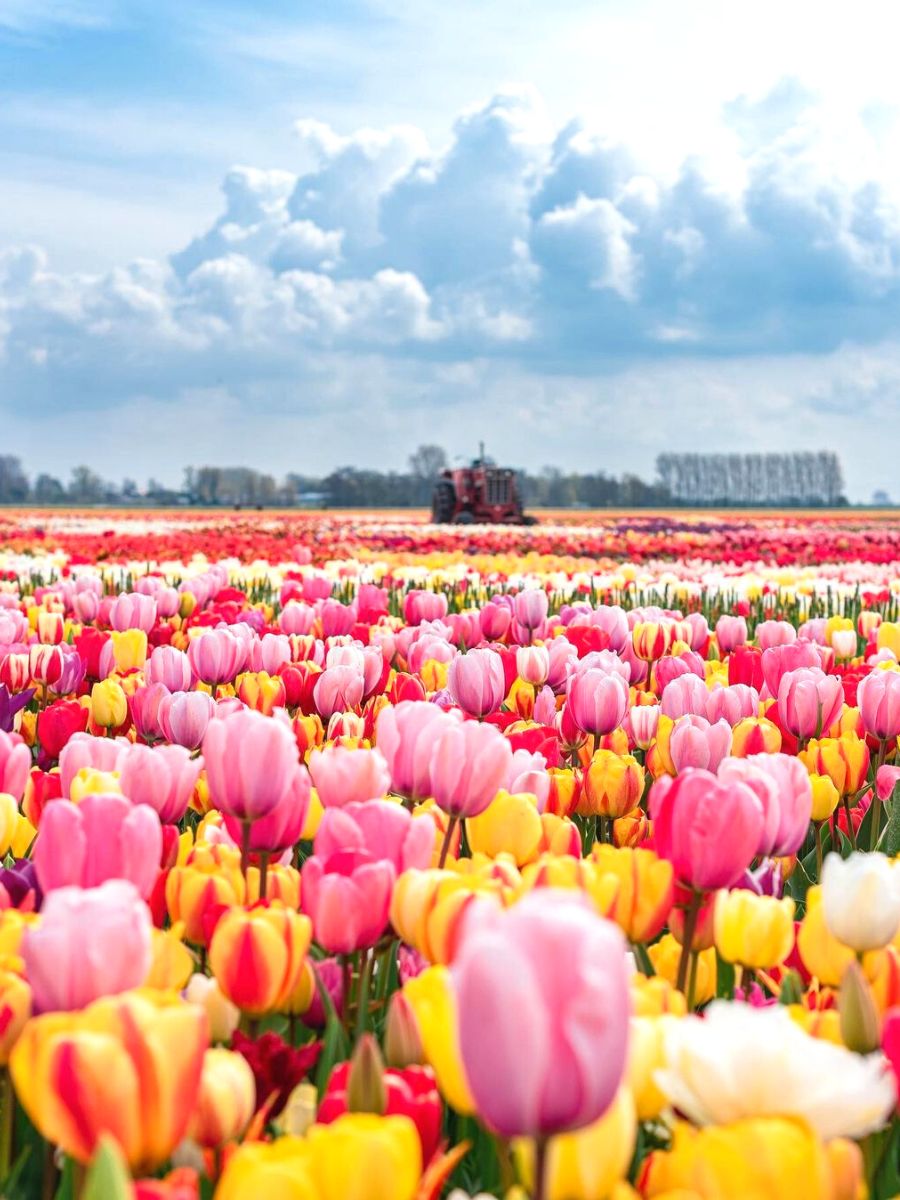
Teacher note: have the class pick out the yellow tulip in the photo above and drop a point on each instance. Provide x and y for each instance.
(364, 1157)
(763, 1158)
(129, 651)
(225, 1101)
(823, 955)
(645, 893)
(511, 823)
(653, 996)
(646, 1056)
(611, 786)
(888, 637)
(665, 956)
(754, 931)
(171, 963)
(433, 1002)
(278, 1170)
(844, 759)
(90, 782)
(825, 795)
(15, 1010)
(109, 707)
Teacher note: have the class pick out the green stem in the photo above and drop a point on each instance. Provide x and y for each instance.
(692, 984)
(263, 875)
(246, 827)
(690, 925)
(817, 826)
(362, 997)
(7, 1122)
(445, 845)
(541, 1180)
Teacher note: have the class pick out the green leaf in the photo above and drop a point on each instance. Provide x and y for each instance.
(108, 1177)
(725, 978)
(889, 842)
(334, 1050)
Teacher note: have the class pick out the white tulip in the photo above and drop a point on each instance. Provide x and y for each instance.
(861, 900)
(738, 1061)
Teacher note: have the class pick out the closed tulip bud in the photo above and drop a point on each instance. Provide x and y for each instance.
(402, 1041)
(843, 642)
(653, 996)
(226, 1099)
(611, 786)
(861, 900)
(597, 701)
(878, 697)
(755, 931)
(645, 893)
(344, 776)
(642, 721)
(887, 637)
(261, 692)
(257, 956)
(731, 632)
(223, 1016)
(755, 735)
(825, 795)
(631, 829)
(860, 1024)
(127, 1067)
(365, 1080)
(586, 1164)
(844, 759)
(809, 701)
(45, 663)
(171, 963)
(109, 705)
(565, 787)
(477, 682)
(251, 762)
(698, 743)
(531, 607)
(88, 781)
(129, 650)
(50, 628)
(545, 943)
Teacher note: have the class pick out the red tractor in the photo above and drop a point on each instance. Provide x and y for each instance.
(482, 494)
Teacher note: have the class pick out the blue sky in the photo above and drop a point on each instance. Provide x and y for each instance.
(301, 235)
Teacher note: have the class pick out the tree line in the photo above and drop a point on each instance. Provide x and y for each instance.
(682, 479)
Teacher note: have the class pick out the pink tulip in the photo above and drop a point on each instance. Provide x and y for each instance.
(185, 716)
(383, 828)
(217, 656)
(731, 632)
(528, 773)
(337, 618)
(775, 633)
(144, 705)
(86, 606)
(337, 690)
(347, 896)
(470, 763)
(297, 619)
(606, 661)
(732, 704)
(419, 606)
(641, 723)
(103, 837)
(250, 764)
(406, 735)
(556, 971)
(330, 975)
(270, 654)
(809, 701)
(597, 702)
(171, 667)
(531, 607)
(612, 620)
(708, 829)
(533, 664)
(83, 750)
(778, 660)
(344, 776)
(15, 764)
(477, 682)
(131, 610)
(281, 829)
(699, 628)
(686, 695)
(886, 779)
(544, 706)
(781, 784)
(163, 778)
(563, 657)
(878, 699)
(696, 742)
(89, 943)
(670, 667)
(495, 620)
(813, 630)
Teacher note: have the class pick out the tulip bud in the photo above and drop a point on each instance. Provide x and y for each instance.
(825, 796)
(222, 1015)
(860, 1026)
(225, 1101)
(365, 1083)
(402, 1042)
(109, 707)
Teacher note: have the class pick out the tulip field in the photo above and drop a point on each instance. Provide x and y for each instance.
(348, 857)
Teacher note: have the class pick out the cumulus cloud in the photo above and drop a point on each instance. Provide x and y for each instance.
(536, 251)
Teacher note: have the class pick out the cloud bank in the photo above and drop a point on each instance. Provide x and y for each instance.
(533, 280)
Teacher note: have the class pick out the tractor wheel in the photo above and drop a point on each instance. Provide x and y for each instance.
(465, 518)
(527, 520)
(443, 501)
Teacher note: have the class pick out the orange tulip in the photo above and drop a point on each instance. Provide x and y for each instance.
(257, 956)
(210, 878)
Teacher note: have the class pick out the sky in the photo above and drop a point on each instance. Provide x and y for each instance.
(296, 236)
